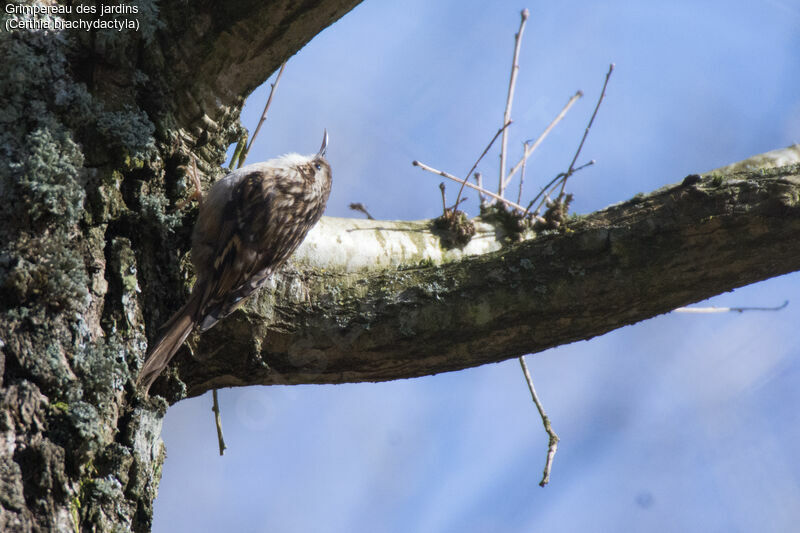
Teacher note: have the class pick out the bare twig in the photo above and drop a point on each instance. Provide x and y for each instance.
(728, 309)
(479, 181)
(361, 208)
(455, 206)
(263, 116)
(218, 421)
(522, 175)
(571, 170)
(552, 445)
(240, 146)
(423, 166)
(563, 176)
(477, 161)
(510, 99)
(444, 201)
(198, 188)
(544, 193)
(575, 97)
(587, 164)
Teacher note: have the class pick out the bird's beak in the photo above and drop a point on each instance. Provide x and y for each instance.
(324, 147)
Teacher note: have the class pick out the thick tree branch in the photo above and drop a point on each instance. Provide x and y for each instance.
(219, 52)
(376, 300)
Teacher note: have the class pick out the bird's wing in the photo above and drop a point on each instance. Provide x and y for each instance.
(239, 257)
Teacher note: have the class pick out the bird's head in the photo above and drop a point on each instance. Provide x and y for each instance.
(320, 165)
(314, 169)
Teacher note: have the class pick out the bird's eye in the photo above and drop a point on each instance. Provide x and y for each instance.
(317, 166)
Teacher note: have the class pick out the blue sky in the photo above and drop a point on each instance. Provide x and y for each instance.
(681, 422)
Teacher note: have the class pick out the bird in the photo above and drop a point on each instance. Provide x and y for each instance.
(250, 223)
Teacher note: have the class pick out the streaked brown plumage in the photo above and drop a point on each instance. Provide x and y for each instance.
(249, 224)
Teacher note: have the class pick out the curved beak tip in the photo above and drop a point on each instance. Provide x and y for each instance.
(324, 148)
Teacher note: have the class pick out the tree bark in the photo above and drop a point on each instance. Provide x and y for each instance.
(376, 300)
(96, 130)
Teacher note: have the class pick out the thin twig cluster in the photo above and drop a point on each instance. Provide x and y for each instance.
(553, 197)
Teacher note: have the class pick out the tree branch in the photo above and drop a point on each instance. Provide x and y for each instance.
(219, 52)
(377, 300)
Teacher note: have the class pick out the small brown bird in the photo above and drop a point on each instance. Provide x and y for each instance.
(248, 226)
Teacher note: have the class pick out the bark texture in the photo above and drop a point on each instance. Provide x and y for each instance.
(96, 128)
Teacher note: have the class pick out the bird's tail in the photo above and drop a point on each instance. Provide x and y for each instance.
(175, 332)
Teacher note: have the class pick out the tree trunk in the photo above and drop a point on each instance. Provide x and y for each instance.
(96, 130)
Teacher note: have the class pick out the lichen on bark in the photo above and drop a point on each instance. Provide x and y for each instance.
(69, 460)
(96, 131)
